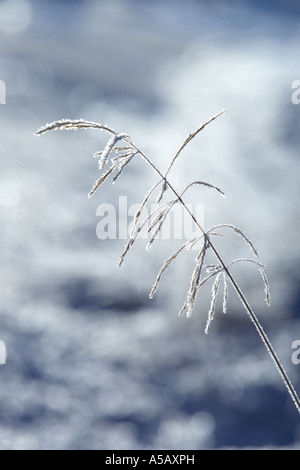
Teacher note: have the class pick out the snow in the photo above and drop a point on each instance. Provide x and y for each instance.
(92, 362)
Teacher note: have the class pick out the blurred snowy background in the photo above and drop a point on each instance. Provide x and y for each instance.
(92, 363)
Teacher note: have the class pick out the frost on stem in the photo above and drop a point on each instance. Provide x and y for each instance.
(120, 157)
(108, 148)
(168, 262)
(124, 155)
(212, 307)
(195, 283)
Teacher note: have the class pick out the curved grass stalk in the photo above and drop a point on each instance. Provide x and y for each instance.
(221, 269)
